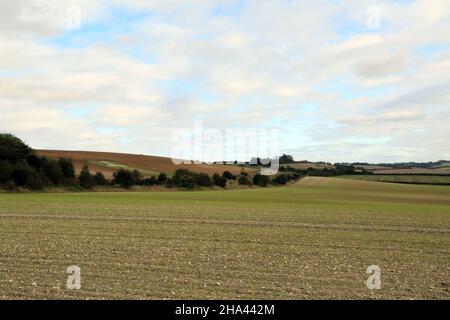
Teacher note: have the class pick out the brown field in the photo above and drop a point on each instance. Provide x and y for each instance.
(311, 240)
(148, 165)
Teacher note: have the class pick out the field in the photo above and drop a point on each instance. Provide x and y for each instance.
(108, 162)
(402, 178)
(312, 240)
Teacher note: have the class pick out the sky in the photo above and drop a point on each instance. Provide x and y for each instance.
(339, 81)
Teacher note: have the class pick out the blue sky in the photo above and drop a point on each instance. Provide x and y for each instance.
(336, 87)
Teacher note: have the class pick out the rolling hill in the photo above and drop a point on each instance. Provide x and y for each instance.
(108, 162)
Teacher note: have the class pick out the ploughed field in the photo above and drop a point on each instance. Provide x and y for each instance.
(312, 240)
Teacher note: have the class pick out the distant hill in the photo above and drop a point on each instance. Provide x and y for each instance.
(108, 162)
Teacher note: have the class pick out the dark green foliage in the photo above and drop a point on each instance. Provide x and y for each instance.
(162, 178)
(67, 168)
(34, 161)
(100, 179)
(280, 179)
(203, 180)
(228, 175)
(35, 182)
(260, 180)
(12, 149)
(52, 170)
(285, 159)
(219, 181)
(150, 181)
(137, 177)
(244, 180)
(20, 173)
(124, 178)
(6, 169)
(86, 179)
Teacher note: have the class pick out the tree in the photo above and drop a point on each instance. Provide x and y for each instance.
(13, 149)
(124, 178)
(35, 182)
(280, 179)
(100, 180)
(137, 177)
(260, 180)
(20, 173)
(228, 175)
(219, 181)
(162, 178)
(67, 168)
(244, 181)
(6, 169)
(285, 159)
(150, 181)
(52, 171)
(86, 179)
(203, 180)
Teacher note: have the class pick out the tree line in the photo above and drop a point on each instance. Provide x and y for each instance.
(20, 166)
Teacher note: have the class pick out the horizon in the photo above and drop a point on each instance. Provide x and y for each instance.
(351, 82)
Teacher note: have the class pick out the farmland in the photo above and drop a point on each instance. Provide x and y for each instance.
(108, 162)
(312, 240)
(403, 178)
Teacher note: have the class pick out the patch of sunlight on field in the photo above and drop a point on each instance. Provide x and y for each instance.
(312, 240)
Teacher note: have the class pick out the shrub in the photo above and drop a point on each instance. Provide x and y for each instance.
(100, 179)
(260, 180)
(124, 178)
(162, 178)
(203, 180)
(244, 181)
(67, 168)
(5, 171)
(20, 173)
(52, 171)
(86, 179)
(150, 181)
(280, 179)
(13, 149)
(219, 181)
(228, 175)
(34, 182)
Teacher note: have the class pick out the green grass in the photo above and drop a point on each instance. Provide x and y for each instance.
(311, 240)
(403, 178)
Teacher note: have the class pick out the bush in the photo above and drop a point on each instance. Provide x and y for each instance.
(244, 181)
(260, 180)
(124, 178)
(228, 175)
(5, 171)
(35, 182)
(20, 173)
(219, 181)
(52, 171)
(100, 179)
(13, 149)
(280, 179)
(203, 180)
(162, 178)
(67, 168)
(86, 179)
(137, 177)
(150, 181)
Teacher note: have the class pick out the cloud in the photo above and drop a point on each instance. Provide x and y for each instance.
(142, 69)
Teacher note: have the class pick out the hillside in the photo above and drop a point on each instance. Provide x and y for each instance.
(108, 162)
